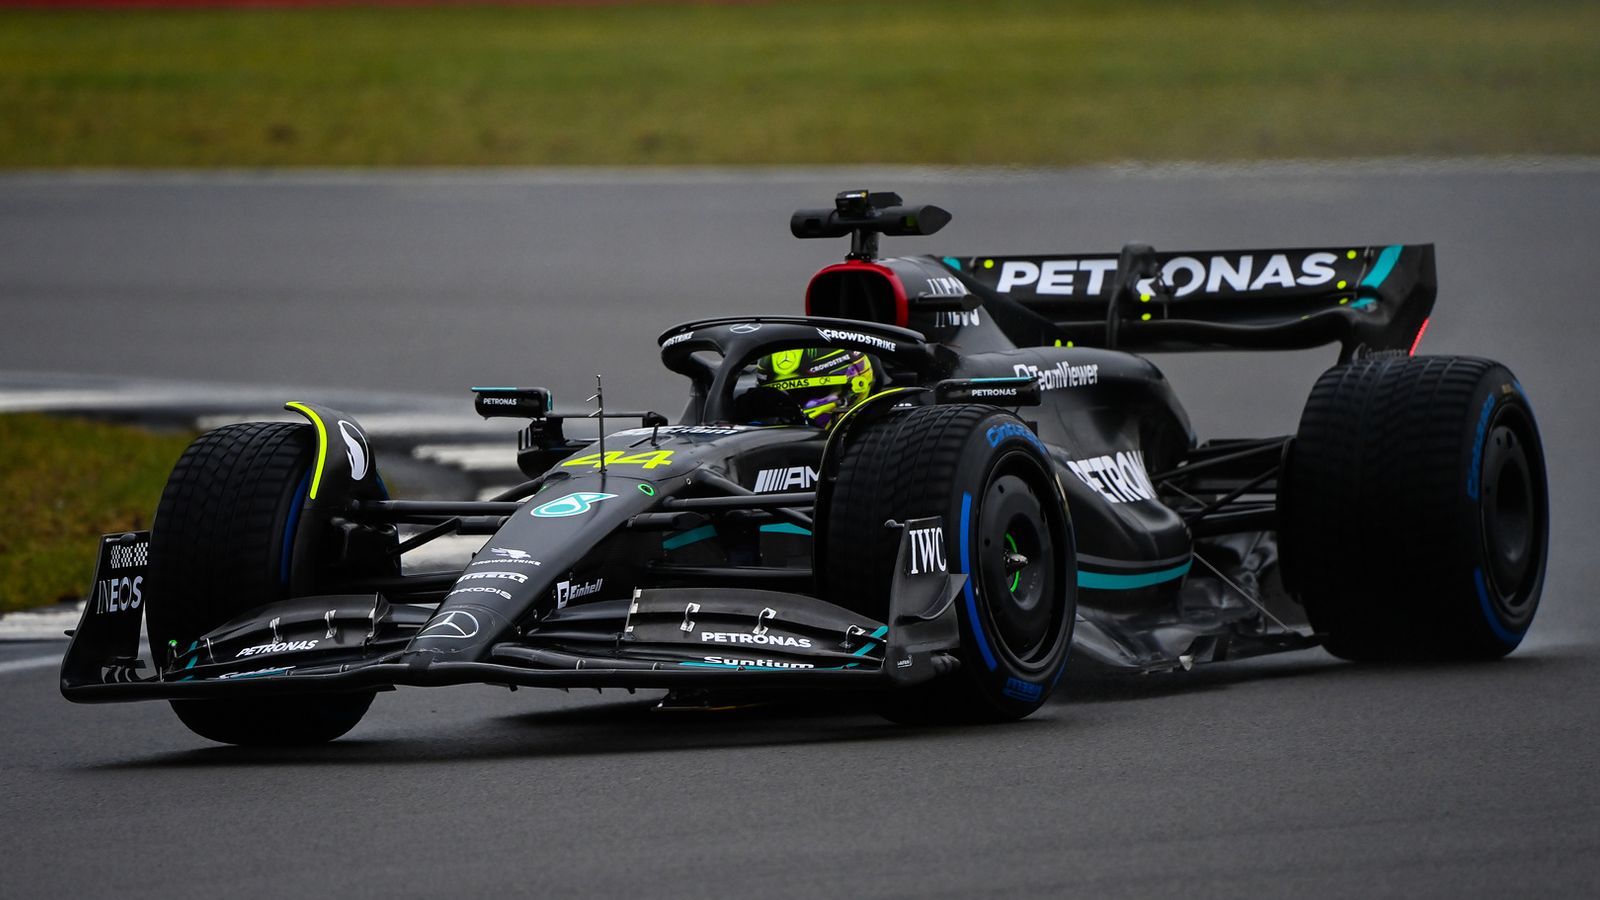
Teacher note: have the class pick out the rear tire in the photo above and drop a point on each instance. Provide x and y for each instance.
(987, 476)
(1415, 510)
(222, 544)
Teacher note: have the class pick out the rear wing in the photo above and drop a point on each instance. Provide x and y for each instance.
(1377, 298)
(1361, 298)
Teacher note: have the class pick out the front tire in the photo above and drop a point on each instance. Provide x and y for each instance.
(988, 477)
(291, 721)
(223, 543)
(1415, 510)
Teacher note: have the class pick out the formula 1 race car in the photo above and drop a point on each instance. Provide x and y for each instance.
(946, 475)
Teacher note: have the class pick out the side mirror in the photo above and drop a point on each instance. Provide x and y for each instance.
(512, 402)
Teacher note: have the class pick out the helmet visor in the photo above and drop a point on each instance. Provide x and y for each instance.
(819, 397)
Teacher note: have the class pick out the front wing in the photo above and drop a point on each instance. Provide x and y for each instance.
(673, 638)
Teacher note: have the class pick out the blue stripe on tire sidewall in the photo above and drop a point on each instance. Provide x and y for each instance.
(1492, 620)
(1475, 468)
(970, 568)
(289, 526)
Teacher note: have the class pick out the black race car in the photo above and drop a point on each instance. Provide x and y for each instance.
(1014, 483)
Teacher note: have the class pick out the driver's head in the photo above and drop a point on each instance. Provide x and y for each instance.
(823, 382)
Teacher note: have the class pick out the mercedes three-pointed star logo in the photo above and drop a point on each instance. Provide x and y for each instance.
(452, 626)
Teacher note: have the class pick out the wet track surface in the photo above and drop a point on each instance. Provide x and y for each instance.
(1289, 775)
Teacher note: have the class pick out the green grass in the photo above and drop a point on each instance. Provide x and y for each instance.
(866, 81)
(63, 483)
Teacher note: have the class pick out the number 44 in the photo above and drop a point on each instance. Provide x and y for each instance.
(649, 459)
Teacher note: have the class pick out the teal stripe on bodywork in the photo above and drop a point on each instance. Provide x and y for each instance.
(867, 647)
(1383, 267)
(692, 536)
(1106, 581)
(712, 665)
(706, 532)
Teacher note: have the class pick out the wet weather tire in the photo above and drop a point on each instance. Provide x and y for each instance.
(984, 473)
(274, 721)
(1415, 516)
(222, 544)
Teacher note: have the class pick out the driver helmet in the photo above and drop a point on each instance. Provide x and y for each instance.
(823, 382)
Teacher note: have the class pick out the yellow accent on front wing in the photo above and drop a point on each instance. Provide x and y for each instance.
(322, 443)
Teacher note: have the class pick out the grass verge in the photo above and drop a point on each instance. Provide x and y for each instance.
(63, 483)
(1024, 82)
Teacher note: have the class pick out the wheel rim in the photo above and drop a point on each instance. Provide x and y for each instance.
(1015, 568)
(1511, 509)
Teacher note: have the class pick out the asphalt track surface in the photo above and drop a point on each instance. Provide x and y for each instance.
(1295, 775)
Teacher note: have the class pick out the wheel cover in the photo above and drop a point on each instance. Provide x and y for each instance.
(1016, 568)
(1512, 512)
